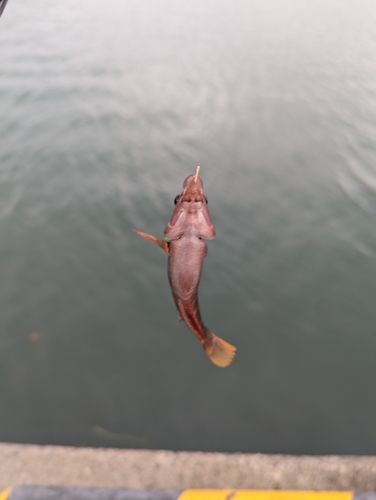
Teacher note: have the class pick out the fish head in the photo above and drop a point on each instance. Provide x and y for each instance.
(191, 212)
(193, 194)
(193, 183)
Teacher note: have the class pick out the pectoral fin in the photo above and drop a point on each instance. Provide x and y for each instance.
(158, 241)
(206, 228)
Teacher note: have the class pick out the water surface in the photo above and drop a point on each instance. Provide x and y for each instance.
(105, 108)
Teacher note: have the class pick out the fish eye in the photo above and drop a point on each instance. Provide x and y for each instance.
(177, 197)
(206, 199)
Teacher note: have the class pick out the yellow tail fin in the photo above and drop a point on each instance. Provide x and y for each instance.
(220, 352)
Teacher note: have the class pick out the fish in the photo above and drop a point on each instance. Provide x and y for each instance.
(184, 244)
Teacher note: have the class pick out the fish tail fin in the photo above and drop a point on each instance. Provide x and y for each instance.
(220, 352)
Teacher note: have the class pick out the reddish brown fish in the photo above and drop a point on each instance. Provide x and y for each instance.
(184, 244)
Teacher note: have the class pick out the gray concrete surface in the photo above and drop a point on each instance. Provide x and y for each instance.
(74, 493)
(67, 466)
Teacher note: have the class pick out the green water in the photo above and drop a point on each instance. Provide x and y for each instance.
(105, 108)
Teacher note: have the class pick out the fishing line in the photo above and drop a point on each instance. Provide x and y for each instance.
(204, 125)
(205, 113)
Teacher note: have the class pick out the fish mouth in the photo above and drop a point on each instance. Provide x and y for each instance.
(192, 191)
(193, 186)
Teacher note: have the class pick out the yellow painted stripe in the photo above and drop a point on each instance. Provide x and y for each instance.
(264, 495)
(5, 494)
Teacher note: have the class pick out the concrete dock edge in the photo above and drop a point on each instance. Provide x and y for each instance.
(74, 493)
(168, 470)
